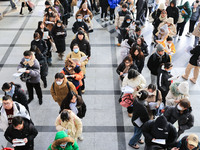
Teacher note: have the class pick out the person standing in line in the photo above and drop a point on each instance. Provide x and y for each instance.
(104, 8)
(113, 4)
(33, 71)
(25, 3)
(173, 11)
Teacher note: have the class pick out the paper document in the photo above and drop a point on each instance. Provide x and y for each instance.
(21, 70)
(118, 31)
(46, 34)
(138, 122)
(86, 16)
(127, 89)
(176, 125)
(159, 141)
(152, 105)
(83, 59)
(173, 78)
(49, 22)
(17, 74)
(18, 142)
(68, 76)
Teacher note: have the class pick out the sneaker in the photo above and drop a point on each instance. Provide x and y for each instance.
(111, 22)
(136, 146)
(14, 7)
(175, 36)
(192, 80)
(106, 19)
(102, 19)
(141, 141)
(184, 77)
(118, 44)
(130, 115)
(179, 37)
(30, 12)
(21, 14)
(45, 85)
(82, 91)
(80, 138)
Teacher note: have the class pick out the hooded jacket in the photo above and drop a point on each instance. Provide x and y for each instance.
(125, 49)
(183, 144)
(185, 120)
(77, 24)
(41, 44)
(83, 45)
(62, 137)
(29, 132)
(151, 130)
(34, 66)
(113, 3)
(154, 62)
(188, 10)
(74, 125)
(124, 23)
(195, 12)
(120, 17)
(173, 11)
(59, 92)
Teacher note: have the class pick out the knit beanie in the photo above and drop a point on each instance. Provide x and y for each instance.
(159, 48)
(184, 88)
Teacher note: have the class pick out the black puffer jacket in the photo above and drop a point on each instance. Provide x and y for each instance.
(195, 55)
(29, 132)
(81, 24)
(139, 111)
(19, 95)
(150, 130)
(154, 63)
(43, 64)
(41, 44)
(144, 48)
(83, 44)
(139, 63)
(185, 120)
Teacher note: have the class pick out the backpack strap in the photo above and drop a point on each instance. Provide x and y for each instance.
(156, 95)
(18, 108)
(68, 86)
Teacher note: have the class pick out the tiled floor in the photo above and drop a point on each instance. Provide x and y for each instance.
(106, 125)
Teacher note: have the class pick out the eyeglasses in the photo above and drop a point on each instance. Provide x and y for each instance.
(6, 104)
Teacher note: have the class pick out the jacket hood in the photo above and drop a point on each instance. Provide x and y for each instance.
(127, 17)
(174, 2)
(61, 137)
(80, 32)
(187, 5)
(170, 20)
(164, 28)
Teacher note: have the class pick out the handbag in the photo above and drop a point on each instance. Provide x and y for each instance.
(25, 77)
(53, 47)
(74, 3)
(127, 100)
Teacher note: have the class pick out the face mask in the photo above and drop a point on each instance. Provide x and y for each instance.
(63, 145)
(84, 9)
(50, 12)
(11, 92)
(27, 59)
(76, 50)
(37, 40)
(79, 20)
(150, 93)
(59, 82)
(58, 25)
(69, 68)
(169, 71)
(128, 21)
(160, 129)
(179, 107)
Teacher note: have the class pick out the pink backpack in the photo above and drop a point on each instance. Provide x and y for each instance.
(127, 100)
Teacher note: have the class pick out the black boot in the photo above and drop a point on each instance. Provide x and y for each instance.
(40, 101)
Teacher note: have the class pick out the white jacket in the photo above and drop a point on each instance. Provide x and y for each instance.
(125, 49)
(138, 82)
(170, 98)
(17, 112)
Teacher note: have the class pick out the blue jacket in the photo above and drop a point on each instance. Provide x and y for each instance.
(113, 3)
(195, 15)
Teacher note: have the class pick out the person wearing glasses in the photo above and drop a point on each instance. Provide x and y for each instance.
(10, 109)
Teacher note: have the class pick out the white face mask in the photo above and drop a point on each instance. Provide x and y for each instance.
(179, 107)
(84, 9)
(69, 68)
(150, 93)
(37, 40)
(160, 129)
(59, 82)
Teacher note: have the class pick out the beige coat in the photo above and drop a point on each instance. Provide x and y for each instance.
(196, 31)
(74, 125)
(59, 92)
(170, 98)
(78, 56)
(172, 29)
(152, 98)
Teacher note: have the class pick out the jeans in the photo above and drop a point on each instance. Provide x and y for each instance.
(37, 88)
(13, 4)
(196, 41)
(136, 137)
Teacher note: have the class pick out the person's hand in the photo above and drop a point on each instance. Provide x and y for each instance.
(176, 101)
(127, 29)
(13, 141)
(88, 58)
(121, 73)
(27, 71)
(48, 37)
(116, 28)
(153, 139)
(25, 140)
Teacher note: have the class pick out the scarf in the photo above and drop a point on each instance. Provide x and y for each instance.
(162, 19)
(30, 62)
(160, 56)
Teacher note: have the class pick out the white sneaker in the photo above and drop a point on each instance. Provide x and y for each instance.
(106, 19)
(102, 19)
(80, 138)
(179, 37)
(111, 22)
(188, 34)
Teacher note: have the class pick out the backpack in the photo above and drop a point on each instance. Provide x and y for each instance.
(127, 100)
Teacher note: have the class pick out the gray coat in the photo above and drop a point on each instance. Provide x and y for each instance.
(185, 120)
(34, 70)
(195, 15)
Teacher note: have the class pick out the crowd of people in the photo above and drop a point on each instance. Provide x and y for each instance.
(160, 111)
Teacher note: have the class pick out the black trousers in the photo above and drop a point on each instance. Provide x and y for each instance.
(192, 24)
(44, 79)
(93, 5)
(23, 5)
(37, 88)
(104, 11)
(180, 28)
(112, 15)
